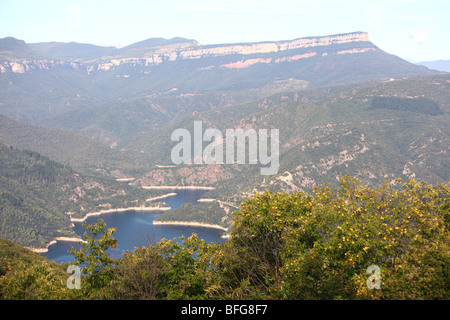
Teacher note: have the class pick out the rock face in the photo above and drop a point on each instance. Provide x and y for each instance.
(55, 78)
(269, 47)
(27, 66)
(194, 51)
(189, 50)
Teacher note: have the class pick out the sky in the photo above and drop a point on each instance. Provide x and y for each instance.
(415, 30)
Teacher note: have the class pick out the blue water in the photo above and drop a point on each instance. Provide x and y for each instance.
(135, 228)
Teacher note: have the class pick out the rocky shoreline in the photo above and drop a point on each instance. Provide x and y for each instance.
(193, 224)
(119, 210)
(68, 239)
(179, 187)
(75, 239)
(158, 208)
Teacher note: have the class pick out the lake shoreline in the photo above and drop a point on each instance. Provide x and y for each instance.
(78, 220)
(190, 224)
(55, 240)
(98, 213)
(164, 196)
(139, 209)
(178, 187)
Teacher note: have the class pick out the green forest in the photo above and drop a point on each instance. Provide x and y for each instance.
(319, 246)
(37, 194)
(420, 104)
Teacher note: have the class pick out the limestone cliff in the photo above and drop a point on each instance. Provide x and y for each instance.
(28, 65)
(268, 47)
(192, 50)
(195, 51)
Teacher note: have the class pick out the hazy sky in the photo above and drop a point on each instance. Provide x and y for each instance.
(414, 30)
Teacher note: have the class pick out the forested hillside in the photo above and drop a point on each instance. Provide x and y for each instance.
(38, 197)
(71, 149)
(375, 132)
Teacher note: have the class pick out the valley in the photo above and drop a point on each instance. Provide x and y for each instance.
(242, 157)
(108, 112)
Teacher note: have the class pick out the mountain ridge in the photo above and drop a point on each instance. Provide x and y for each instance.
(51, 87)
(70, 50)
(440, 65)
(133, 100)
(154, 51)
(155, 43)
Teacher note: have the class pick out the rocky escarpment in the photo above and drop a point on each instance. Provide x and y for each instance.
(270, 47)
(192, 50)
(30, 65)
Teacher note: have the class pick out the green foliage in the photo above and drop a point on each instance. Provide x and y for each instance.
(321, 248)
(422, 105)
(300, 246)
(138, 275)
(74, 150)
(93, 253)
(186, 269)
(167, 270)
(29, 276)
(25, 177)
(36, 282)
(282, 246)
(210, 213)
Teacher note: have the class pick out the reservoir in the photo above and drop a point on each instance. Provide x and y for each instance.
(135, 228)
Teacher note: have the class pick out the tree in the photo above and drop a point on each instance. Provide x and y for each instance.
(166, 270)
(39, 281)
(93, 254)
(297, 246)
